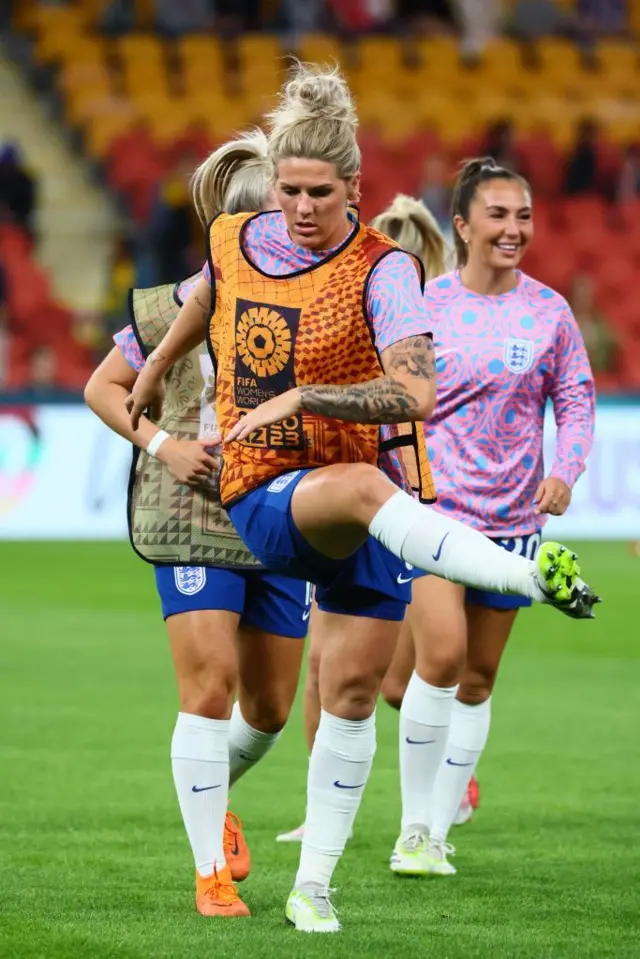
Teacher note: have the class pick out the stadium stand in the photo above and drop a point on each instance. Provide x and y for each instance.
(140, 101)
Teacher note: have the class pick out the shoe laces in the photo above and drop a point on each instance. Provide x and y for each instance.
(440, 849)
(221, 889)
(232, 826)
(320, 900)
(413, 841)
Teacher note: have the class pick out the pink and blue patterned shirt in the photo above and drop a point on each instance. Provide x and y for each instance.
(499, 358)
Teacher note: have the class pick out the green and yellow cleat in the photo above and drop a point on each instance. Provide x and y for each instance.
(309, 909)
(559, 578)
(415, 854)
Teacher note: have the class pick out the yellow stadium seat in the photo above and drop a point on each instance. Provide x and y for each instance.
(227, 115)
(558, 116)
(82, 103)
(102, 130)
(558, 56)
(488, 108)
(260, 50)
(320, 48)
(449, 116)
(139, 48)
(79, 74)
(168, 127)
(461, 84)
(198, 48)
(259, 101)
(440, 55)
(618, 56)
(202, 75)
(140, 78)
(619, 68)
(58, 16)
(87, 49)
(621, 130)
(55, 45)
(201, 62)
(382, 55)
(154, 103)
(501, 68)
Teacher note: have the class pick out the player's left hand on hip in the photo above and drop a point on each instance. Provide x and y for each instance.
(273, 411)
(552, 496)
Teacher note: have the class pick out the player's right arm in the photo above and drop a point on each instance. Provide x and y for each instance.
(186, 332)
(106, 394)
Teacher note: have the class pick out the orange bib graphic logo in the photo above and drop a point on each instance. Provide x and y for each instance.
(265, 342)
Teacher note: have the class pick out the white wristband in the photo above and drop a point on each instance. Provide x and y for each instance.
(156, 442)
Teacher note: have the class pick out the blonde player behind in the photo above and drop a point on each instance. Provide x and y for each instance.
(233, 626)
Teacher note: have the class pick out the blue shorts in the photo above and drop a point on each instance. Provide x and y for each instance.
(267, 601)
(526, 546)
(371, 582)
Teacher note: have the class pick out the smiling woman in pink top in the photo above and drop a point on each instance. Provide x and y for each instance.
(505, 345)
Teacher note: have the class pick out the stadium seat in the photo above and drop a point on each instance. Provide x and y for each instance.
(201, 64)
(319, 48)
(50, 18)
(102, 129)
(619, 67)
(58, 46)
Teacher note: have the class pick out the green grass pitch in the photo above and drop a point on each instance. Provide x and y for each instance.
(93, 860)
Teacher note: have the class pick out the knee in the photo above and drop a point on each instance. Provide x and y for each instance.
(392, 691)
(368, 490)
(444, 664)
(267, 714)
(353, 696)
(207, 692)
(476, 687)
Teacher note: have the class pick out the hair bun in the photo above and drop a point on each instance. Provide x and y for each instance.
(473, 167)
(315, 119)
(314, 93)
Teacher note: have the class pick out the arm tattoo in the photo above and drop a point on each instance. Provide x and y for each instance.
(387, 399)
(414, 356)
(383, 400)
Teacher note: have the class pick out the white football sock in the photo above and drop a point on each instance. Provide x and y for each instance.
(434, 542)
(246, 745)
(468, 736)
(339, 767)
(200, 763)
(425, 716)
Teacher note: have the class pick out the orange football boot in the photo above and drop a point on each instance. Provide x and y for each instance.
(217, 896)
(236, 851)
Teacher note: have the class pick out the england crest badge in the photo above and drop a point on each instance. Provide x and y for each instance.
(189, 579)
(518, 355)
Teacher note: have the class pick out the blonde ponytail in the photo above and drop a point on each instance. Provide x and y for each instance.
(414, 228)
(233, 179)
(315, 119)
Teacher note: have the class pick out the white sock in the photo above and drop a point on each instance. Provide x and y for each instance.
(200, 763)
(468, 736)
(425, 716)
(339, 767)
(246, 745)
(434, 542)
